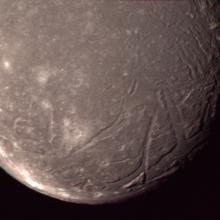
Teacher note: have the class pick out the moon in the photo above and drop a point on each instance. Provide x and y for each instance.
(102, 100)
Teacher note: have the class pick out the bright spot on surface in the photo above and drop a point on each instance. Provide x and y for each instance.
(29, 179)
(3, 153)
(62, 192)
(43, 76)
(46, 104)
(98, 194)
(6, 64)
(66, 122)
(74, 132)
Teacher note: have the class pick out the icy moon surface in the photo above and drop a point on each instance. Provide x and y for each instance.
(100, 100)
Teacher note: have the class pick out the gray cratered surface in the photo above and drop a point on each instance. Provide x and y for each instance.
(100, 100)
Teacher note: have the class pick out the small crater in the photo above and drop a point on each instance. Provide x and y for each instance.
(46, 105)
(42, 74)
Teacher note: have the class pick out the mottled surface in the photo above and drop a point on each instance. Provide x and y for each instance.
(99, 99)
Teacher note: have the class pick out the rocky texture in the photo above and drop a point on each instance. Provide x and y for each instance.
(100, 100)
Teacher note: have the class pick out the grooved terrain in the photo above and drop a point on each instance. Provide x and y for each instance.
(100, 100)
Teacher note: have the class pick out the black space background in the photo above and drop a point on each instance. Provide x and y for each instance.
(194, 193)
